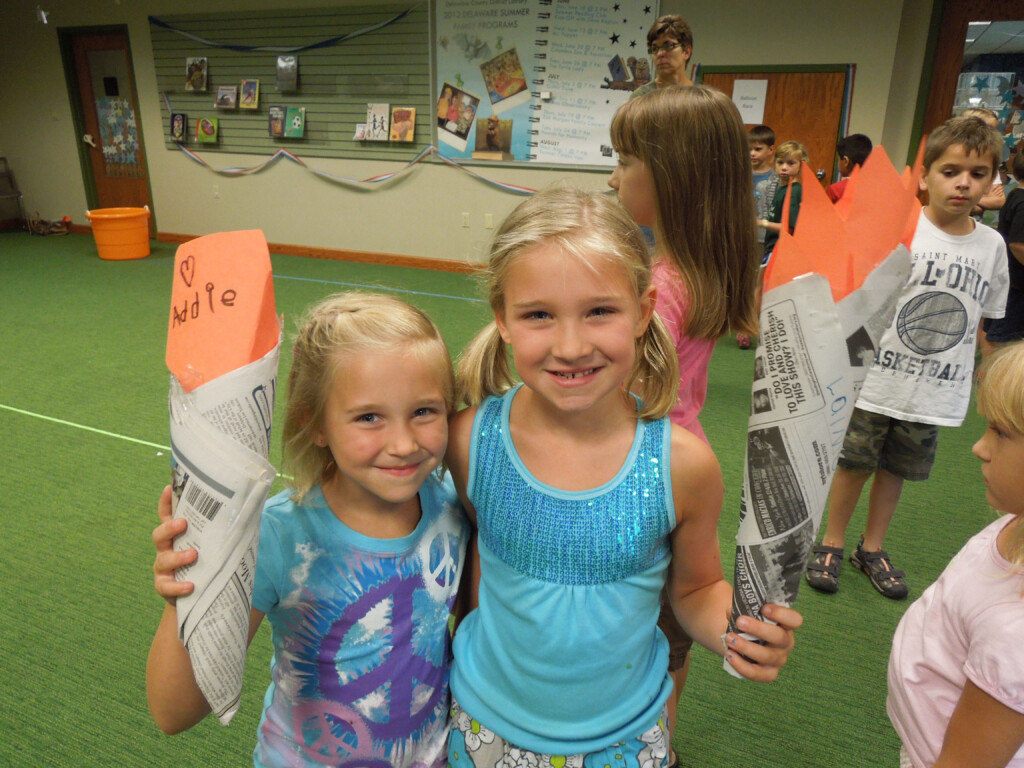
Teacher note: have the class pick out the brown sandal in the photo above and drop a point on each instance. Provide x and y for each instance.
(823, 569)
(878, 567)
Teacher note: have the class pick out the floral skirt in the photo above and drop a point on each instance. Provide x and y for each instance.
(471, 745)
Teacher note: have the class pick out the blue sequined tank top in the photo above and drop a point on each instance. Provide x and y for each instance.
(563, 654)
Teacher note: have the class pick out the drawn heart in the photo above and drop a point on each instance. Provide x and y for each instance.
(188, 270)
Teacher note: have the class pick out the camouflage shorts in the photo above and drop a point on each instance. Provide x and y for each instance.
(904, 448)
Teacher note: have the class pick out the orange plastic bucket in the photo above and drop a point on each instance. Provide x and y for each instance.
(120, 233)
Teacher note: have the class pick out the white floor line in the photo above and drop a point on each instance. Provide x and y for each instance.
(103, 432)
(65, 423)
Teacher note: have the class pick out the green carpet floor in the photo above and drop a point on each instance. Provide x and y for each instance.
(83, 430)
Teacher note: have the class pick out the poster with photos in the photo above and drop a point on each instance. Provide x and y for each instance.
(195, 73)
(378, 118)
(557, 70)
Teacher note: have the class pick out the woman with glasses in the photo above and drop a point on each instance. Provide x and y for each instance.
(670, 45)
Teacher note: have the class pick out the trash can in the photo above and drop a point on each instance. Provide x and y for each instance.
(120, 233)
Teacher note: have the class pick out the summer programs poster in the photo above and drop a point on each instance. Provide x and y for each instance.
(558, 69)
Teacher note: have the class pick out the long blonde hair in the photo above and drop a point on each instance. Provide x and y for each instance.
(692, 139)
(341, 325)
(596, 229)
(1001, 401)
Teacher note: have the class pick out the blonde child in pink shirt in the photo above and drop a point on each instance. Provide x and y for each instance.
(956, 672)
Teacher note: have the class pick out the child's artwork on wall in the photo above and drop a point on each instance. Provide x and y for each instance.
(227, 97)
(287, 73)
(377, 120)
(295, 123)
(403, 123)
(206, 130)
(178, 122)
(250, 98)
(275, 120)
(456, 110)
(195, 73)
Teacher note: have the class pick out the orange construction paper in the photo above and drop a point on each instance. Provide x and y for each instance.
(222, 306)
(844, 242)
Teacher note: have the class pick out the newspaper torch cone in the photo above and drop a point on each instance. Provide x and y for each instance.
(223, 341)
(829, 292)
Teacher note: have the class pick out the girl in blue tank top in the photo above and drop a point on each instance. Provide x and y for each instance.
(586, 499)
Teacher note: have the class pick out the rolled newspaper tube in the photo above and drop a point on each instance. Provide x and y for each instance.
(223, 342)
(830, 291)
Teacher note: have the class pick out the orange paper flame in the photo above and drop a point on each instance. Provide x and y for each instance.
(845, 241)
(222, 306)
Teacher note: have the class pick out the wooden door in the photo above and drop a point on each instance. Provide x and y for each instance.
(108, 112)
(800, 106)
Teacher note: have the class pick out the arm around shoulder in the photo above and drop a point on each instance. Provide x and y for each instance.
(456, 458)
(460, 433)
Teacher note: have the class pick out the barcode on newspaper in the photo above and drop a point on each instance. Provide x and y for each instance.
(202, 502)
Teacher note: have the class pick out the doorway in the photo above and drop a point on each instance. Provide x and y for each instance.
(801, 104)
(944, 69)
(98, 67)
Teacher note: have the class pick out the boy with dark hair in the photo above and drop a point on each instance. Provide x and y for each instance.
(852, 151)
(766, 183)
(923, 368)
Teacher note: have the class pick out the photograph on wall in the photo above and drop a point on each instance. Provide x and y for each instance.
(493, 139)
(195, 73)
(275, 120)
(378, 116)
(403, 123)
(206, 130)
(295, 123)
(178, 131)
(456, 111)
(227, 97)
(250, 98)
(505, 81)
(287, 73)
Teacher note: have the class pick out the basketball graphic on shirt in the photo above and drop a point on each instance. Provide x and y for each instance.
(932, 322)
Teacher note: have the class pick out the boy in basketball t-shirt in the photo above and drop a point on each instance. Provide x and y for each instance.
(922, 371)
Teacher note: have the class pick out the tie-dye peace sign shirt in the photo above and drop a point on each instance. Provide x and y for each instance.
(359, 674)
